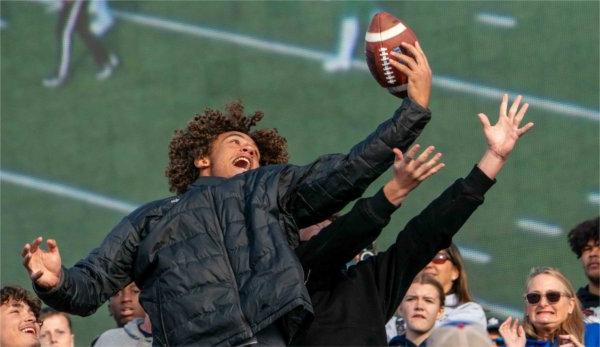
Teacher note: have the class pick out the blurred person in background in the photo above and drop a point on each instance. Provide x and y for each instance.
(553, 315)
(19, 318)
(103, 18)
(57, 329)
(421, 306)
(459, 334)
(583, 240)
(136, 333)
(125, 305)
(493, 326)
(352, 305)
(73, 16)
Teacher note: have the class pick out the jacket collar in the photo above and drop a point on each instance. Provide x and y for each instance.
(207, 181)
(451, 300)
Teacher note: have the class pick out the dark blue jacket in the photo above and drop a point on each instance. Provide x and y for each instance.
(215, 264)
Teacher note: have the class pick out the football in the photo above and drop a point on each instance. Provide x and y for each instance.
(384, 35)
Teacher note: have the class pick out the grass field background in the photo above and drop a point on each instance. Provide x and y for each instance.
(111, 137)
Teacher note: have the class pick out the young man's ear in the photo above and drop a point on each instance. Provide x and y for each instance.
(202, 163)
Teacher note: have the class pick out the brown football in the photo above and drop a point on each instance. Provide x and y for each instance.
(384, 35)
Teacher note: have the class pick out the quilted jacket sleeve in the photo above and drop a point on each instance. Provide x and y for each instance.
(314, 192)
(93, 280)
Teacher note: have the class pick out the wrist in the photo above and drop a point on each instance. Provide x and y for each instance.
(491, 163)
(394, 193)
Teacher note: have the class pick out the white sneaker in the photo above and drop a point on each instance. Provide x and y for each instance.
(107, 70)
(100, 26)
(53, 82)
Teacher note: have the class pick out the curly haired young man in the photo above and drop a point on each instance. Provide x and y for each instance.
(19, 317)
(215, 263)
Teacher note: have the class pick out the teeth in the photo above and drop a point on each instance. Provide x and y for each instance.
(243, 159)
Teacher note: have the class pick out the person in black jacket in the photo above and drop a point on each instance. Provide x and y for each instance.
(352, 305)
(215, 264)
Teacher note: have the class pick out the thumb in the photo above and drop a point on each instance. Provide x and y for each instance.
(398, 153)
(485, 122)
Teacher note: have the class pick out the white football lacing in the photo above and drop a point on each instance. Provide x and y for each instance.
(388, 71)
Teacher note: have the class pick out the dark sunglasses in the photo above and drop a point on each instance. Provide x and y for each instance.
(552, 297)
(440, 258)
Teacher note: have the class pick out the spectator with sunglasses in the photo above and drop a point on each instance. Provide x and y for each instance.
(553, 315)
(448, 267)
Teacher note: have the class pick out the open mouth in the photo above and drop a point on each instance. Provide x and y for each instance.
(29, 330)
(242, 163)
(418, 316)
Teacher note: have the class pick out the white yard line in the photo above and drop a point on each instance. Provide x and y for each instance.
(496, 20)
(594, 198)
(539, 227)
(474, 255)
(443, 82)
(66, 191)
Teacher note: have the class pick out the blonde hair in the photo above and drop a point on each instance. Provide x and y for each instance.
(573, 325)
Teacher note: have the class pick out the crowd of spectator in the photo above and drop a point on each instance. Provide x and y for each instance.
(438, 309)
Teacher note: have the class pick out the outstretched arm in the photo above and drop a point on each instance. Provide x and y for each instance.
(433, 229)
(323, 188)
(340, 241)
(82, 288)
(502, 137)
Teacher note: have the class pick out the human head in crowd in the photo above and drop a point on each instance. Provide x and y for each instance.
(19, 317)
(222, 144)
(56, 329)
(492, 328)
(461, 334)
(551, 307)
(583, 240)
(125, 305)
(449, 269)
(421, 306)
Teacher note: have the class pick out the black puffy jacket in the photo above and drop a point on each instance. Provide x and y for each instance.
(215, 264)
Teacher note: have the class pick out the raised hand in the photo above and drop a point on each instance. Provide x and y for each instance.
(43, 267)
(502, 137)
(410, 171)
(569, 341)
(513, 334)
(417, 69)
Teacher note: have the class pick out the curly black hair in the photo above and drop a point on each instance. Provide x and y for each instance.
(19, 294)
(196, 139)
(582, 234)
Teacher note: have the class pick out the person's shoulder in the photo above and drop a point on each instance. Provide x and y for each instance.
(470, 305)
(155, 207)
(111, 337)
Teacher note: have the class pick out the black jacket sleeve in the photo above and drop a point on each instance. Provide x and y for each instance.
(424, 235)
(106, 270)
(314, 192)
(347, 235)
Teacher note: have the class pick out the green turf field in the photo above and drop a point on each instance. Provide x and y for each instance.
(111, 137)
